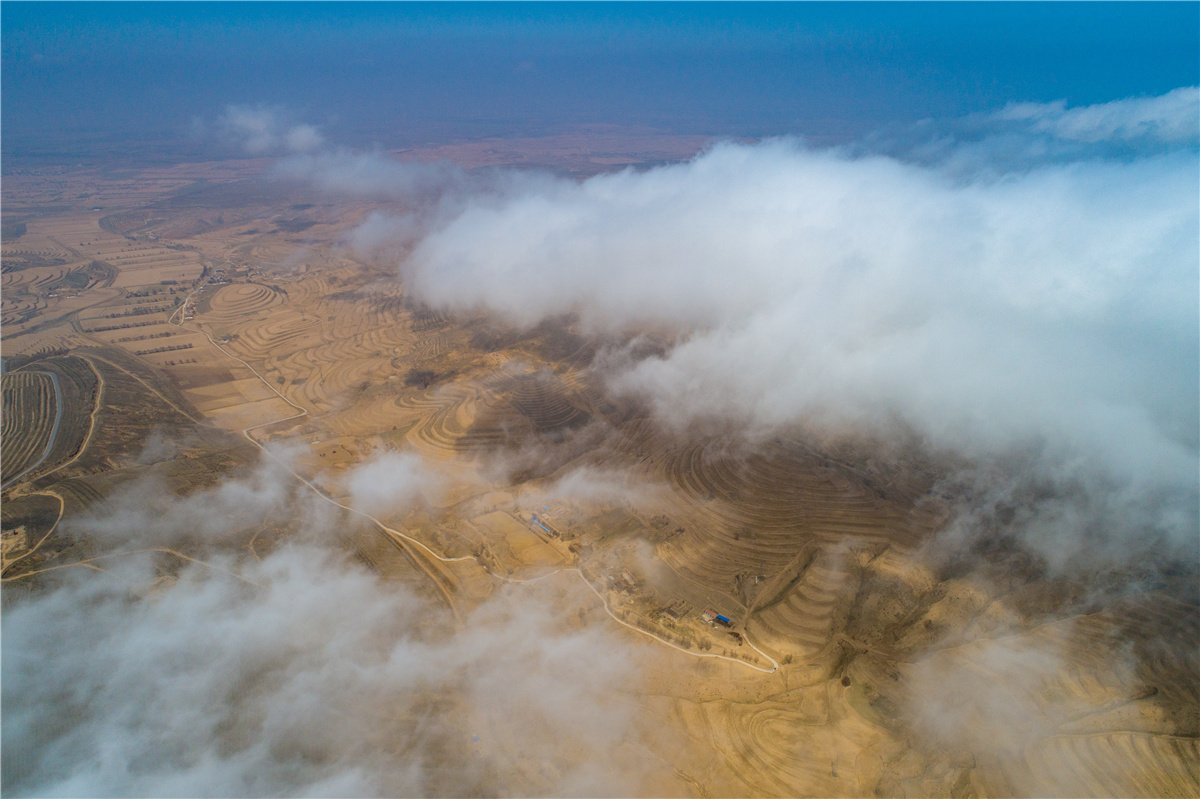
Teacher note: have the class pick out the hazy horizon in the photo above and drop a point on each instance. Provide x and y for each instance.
(84, 78)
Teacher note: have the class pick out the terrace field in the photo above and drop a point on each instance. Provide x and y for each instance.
(193, 314)
(30, 409)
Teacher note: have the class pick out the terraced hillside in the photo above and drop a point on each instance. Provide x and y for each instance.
(750, 513)
(241, 301)
(30, 414)
(800, 620)
(545, 401)
(80, 388)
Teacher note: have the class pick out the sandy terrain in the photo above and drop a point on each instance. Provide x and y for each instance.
(233, 311)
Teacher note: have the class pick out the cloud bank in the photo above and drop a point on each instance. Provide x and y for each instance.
(1040, 306)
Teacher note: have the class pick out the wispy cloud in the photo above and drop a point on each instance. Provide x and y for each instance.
(1022, 136)
(264, 130)
(389, 482)
(302, 673)
(1172, 118)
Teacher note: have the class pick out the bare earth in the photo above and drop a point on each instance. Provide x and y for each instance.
(224, 306)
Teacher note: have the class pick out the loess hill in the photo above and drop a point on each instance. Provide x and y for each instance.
(211, 311)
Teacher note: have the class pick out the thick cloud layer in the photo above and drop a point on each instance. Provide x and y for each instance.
(991, 305)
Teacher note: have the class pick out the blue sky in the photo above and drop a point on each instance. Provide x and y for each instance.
(398, 73)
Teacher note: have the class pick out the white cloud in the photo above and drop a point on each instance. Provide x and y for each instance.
(591, 484)
(1172, 117)
(302, 138)
(998, 699)
(813, 286)
(1025, 136)
(262, 130)
(372, 174)
(1050, 305)
(147, 513)
(389, 482)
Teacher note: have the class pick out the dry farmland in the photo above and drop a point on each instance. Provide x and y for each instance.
(30, 411)
(197, 313)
